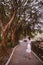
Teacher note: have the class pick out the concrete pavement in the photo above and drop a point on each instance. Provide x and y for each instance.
(20, 57)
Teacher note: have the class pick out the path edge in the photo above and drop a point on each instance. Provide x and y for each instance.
(11, 55)
(37, 57)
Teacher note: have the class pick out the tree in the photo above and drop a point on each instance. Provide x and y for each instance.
(25, 13)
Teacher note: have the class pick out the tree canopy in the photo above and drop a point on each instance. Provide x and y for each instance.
(21, 16)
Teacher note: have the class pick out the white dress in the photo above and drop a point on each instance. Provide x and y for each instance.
(28, 50)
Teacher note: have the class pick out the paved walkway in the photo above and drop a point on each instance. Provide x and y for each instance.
(20, 57)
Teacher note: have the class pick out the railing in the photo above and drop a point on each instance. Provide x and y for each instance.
(38, 49)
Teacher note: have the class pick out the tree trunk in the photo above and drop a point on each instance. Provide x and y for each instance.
(13, 35)
(4, 31)
(4, 40)
(12, 39)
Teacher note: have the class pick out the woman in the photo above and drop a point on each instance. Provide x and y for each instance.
(28, 50)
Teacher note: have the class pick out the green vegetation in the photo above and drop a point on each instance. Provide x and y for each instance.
(20, 18)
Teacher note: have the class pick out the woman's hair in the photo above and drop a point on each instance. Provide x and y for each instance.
(29, 38)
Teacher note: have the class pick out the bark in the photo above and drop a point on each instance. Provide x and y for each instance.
(13, 35)
(10, 22)
(1, 25)
(4, 31)
(12, 39)
(3, 39)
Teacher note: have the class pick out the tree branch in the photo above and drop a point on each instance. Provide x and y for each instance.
(10, 22)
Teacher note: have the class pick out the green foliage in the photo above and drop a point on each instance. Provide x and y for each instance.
(27, 16)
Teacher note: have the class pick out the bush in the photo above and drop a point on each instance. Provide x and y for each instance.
(9, 44)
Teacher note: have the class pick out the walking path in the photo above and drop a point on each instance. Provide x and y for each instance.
(20, 57)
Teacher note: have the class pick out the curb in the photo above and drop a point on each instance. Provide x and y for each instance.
(11, 56)
(37, 57)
